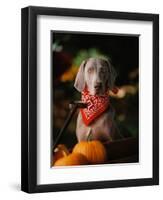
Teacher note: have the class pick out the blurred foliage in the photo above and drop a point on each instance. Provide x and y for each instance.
(69, 50)
(84, 54)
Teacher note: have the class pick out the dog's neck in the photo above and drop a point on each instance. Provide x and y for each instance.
(86, 91)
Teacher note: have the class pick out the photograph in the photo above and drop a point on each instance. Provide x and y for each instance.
(94, 98)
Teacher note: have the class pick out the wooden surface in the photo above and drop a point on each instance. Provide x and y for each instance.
(124, 150)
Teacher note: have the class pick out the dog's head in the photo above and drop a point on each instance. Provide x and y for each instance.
(97, 74)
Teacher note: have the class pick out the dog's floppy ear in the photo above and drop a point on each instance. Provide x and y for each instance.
(79, 81)
(112, 74)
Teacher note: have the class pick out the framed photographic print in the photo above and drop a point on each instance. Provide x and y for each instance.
(90, 99)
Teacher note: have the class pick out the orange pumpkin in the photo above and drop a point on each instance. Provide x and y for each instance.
(72, 159)
(59, 152)
(94, 151)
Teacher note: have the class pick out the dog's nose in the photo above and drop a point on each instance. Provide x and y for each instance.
(98, 85)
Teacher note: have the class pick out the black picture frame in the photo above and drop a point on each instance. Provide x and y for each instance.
(29, 98)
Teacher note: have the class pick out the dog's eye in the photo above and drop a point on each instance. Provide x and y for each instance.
(102, 71)
(90, 70)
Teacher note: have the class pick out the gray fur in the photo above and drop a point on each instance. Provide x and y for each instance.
(94, 72)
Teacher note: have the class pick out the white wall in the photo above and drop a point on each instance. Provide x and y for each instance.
(10, 79)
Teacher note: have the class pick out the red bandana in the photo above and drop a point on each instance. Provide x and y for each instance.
(96, 105)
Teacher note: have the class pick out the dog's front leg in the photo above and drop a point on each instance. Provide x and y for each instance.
(82, 131)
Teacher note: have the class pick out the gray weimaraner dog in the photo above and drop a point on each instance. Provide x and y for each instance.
(98, 76)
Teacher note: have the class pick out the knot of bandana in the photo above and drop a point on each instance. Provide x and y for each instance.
(96, 105)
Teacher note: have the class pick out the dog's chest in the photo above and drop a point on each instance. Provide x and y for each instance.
(100, 128)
